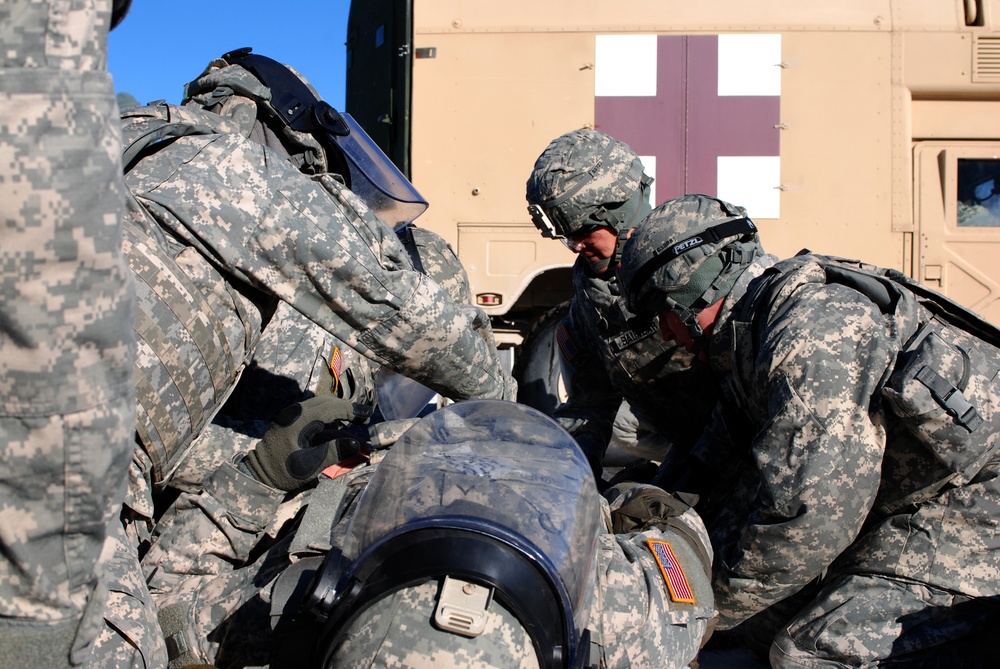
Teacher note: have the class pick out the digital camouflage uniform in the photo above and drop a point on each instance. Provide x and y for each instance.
(616, 357)
(216, 606)
(228, 225)
(613, 356)
(304, 240)
(292, 360)
(818, 479)
(66, 346)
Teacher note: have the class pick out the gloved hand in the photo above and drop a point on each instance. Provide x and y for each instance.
(639, 507)
(303, 441)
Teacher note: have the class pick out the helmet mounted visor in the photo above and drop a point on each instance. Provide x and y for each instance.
(367, 171)
(486, 491)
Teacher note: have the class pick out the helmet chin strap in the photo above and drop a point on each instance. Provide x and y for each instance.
(599, 265)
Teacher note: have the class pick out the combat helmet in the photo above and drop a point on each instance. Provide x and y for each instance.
(586, 179)
(279, 106)
(476, 538)
(686, 255)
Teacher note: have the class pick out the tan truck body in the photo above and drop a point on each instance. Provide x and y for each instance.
(878, 103)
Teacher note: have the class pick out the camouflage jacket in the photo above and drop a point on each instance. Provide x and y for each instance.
(810, 451)
(614, 356)
(238, 226)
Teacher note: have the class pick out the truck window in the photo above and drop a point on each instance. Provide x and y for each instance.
(978, 193)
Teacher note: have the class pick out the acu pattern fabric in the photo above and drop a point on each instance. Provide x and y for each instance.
(294, 356)
(66, 349)
(244, 225)
(240, 212)
(826, 481)
(614, 356)
(217, 601)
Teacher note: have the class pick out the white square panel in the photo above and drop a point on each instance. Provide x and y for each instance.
(748, 64)
(751, 182)
(625, 65)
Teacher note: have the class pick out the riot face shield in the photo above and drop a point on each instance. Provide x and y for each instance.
(491, 493)
(351, 153)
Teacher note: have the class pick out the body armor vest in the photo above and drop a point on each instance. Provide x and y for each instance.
(195, 327)
(941, 391)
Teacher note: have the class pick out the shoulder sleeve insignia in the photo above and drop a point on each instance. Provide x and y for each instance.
(673, 573)
(336, 362)
(567, 346)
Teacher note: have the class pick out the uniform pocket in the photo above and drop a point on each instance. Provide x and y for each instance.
(943, 392)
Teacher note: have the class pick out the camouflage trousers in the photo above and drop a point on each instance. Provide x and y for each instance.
(869, 621)
(920, 589)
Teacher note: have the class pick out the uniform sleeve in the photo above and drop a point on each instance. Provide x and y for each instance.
(312, 243)
(818, 450)
(638, 621)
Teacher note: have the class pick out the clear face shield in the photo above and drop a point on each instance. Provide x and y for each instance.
(376, 180)
(399, 396)
(490, 492)
(369, 172)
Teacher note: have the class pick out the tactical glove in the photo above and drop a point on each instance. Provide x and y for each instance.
(640, 507)
(305, 439)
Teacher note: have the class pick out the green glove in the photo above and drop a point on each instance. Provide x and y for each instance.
(643, 506)
(303, 441)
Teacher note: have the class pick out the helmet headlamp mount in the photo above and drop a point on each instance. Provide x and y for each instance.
(688, 300)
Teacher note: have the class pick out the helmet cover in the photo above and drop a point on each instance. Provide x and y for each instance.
(580, 180)
(687, 254)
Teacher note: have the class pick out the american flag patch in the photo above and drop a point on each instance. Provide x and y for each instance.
(336, 362)
(566, 344)
(673, 573)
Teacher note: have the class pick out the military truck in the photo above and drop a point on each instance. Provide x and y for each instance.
(862, 128)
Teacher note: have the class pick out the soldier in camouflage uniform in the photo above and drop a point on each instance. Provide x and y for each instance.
(590, 191)
(66, 345)
(850, 470)
(236, 212)
(634, 573)
(235, 207)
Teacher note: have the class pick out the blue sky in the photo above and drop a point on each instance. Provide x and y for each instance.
(162, 45)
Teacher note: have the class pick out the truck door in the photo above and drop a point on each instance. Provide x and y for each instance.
(379, 46)
(957, 213)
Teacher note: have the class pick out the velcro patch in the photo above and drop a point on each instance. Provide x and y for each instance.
(673, 573)
(566, 344)
(622, 342)
(336, 362)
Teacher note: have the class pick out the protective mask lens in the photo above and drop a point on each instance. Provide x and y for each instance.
(576, 241)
